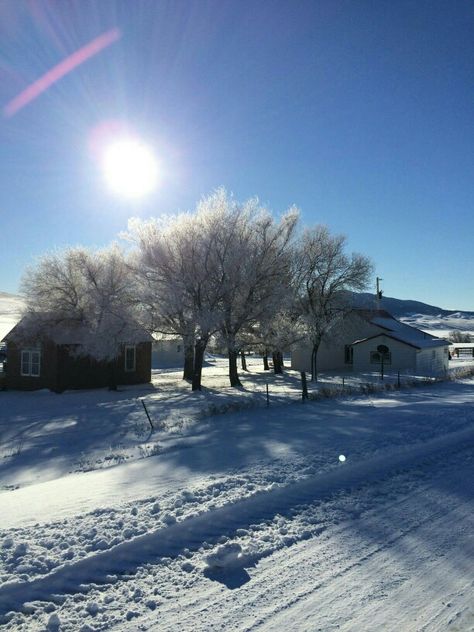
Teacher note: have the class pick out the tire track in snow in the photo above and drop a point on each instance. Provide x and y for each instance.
(421, 536)
(345, 579)
(190, 533)
(369, 577)
(328, 571)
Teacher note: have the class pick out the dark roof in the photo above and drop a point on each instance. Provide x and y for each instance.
(370, 314)
(35, 327)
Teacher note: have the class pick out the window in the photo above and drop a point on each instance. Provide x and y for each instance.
(30, 362)
(376, 357)
(130, 358)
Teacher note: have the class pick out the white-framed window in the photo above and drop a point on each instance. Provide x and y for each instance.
(130, 358)
(30, 362)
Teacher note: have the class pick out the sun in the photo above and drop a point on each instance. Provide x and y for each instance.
(130, 168)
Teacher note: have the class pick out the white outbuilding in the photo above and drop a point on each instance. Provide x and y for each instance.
(167, 353)
(418, 356)
(367, 338)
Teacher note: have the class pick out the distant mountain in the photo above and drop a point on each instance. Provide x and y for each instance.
(426, 317)
(400, 307)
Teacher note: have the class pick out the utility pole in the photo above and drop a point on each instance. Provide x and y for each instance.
(379, 292)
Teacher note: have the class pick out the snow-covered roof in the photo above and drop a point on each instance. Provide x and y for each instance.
(159, 337)
(69, 332)
(399, 331)
(417, 343)
(392, 324)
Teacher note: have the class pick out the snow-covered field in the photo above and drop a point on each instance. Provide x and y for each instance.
(10, 310)
(441, 326)
(246, 520)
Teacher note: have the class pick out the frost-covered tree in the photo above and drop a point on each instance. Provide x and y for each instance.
(161, 267)
(91, 293)
(250, 258)
(459, 336)
(176, 266)
(218, 269)
(277, 333)
(323, 273)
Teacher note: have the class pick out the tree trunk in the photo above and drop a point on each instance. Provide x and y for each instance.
(188, 346)
(112, 375)
(277, 362)
(304, 386)
(266, 366)
(314, 367)
(199, 349)
(243, 361)
(233, 373)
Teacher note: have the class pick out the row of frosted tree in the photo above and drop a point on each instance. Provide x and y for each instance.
(228, 272)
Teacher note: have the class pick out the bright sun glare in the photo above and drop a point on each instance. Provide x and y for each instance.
(130, 168)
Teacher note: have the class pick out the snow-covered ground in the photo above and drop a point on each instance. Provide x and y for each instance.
(246, 520)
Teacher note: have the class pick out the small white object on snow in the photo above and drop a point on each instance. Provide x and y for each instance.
(53, 622)
(342, 458)
(225, 556)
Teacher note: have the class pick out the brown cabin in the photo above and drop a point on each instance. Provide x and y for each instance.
(52, 362)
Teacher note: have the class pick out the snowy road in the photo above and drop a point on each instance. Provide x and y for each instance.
(399, 561)
(250, 522)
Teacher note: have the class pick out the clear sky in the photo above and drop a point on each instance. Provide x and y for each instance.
(361, 113)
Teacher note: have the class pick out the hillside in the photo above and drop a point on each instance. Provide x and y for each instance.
(405, 307)
(10, 310)
(429, 318)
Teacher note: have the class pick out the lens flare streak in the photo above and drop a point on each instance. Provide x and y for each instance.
(60, 70)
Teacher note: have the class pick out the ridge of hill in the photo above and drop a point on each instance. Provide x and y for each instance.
(405, 307)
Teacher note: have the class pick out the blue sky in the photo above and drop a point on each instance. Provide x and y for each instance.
(360, 113)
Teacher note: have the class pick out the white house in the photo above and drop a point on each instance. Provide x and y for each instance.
(167, 353)
(365, 338)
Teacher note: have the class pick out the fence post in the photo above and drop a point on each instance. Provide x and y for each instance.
(268, 396)
(146, 411)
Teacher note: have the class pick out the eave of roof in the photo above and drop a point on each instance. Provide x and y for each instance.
(425, 344)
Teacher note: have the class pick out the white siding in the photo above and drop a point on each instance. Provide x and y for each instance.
(167, 354)
(403, 357)
(331, 353)
(432, 361)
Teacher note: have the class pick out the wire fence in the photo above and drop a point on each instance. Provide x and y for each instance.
(172, 403)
